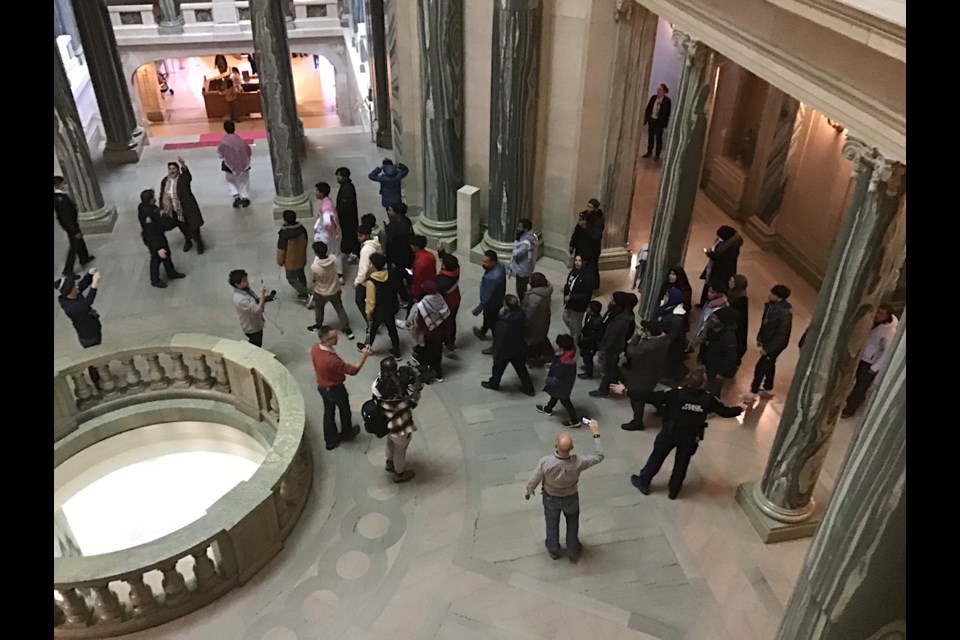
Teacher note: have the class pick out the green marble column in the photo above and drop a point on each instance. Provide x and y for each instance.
(853, 582)
(865, 259)
(171, 20)
(379, 72)
(73, 154)
(680, 177)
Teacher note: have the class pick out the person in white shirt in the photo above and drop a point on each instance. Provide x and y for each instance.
(327, 226)
(872, 361)
(249, 306)
(368, 246)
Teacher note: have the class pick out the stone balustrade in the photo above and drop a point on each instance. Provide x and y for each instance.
(124, 591)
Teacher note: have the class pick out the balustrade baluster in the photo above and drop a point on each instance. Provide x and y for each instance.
(204, 570)
(75, 607)
(132, 375)
(204, 377)
(220, 372)
(107, 384)
(158, 377)
(272, 402)
(181, 375)
(174, 586)
(141, 596)
(107, 605)
(82, 388)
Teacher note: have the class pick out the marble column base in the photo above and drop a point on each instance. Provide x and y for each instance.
(300, 204)
(100, 221)
(437, 231)
(126, 153)
(772, 530)
(503, 249)
(760, 232)
(385, 139)
(168, 28)
(614, 258)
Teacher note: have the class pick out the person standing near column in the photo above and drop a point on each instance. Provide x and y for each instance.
(249, 306)
(772, 339)
(685, 410)
(721, 259)
(66, 211)
(177, 199)
(587, 238)
(493, 286)
(327, 226)
(524, 256)
(872, 360)
(560, 476)
(331, 373)
(510, 347)
(154, 225)
(390, 178)
(656, 117)
(397, 402)
(576, 296)
(618, 326)
(348, 214)
(292, 253)
(235, 154)
(424, 266)
(647, 358)
(398, 250)
(737, 297)
(368, 246)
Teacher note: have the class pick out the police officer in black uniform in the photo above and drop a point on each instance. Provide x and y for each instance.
(67, 216)
(154, 225)
(685, 410)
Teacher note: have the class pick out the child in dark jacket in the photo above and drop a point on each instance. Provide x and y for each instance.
(590, 337)
(560, 379)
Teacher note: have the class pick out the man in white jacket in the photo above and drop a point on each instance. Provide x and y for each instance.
(326, 288)
(872, 360)
(327, 226)
(368, 246)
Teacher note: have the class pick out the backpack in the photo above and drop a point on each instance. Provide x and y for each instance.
(373, 419)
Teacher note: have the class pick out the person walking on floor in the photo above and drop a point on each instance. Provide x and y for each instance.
(390, 177)
(67, 216)
(656, 116)
(424, 266)
(235, 156)
(672, 316)
(327, 226)
(448, 285)
(331, 373)
(493, 287)
(369, 245)
(772, 339)
(587, 238)
(249, 306)
(685, 409)
(398, 248)
(523, 259)
(559, 475)
(154, 225)
(348, 214)
(177, 200)
(79, 308)
(536, 312)
(397, 402)
(721, 259)
(509, 347)
(646, 360)
(737, 297)
(427, 323)
(292, 253)
(873, 359)
(381, 305)
(618, 326)
(576, 296)
(326, 288)
(590, 337)
(560, 379)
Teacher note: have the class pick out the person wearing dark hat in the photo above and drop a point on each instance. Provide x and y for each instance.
(721, 259)
(587, 238)
(66, 211)
(79, 308)
(646, 360)
(618, 326)
(509, 347)
(154, 225)
(685, 410)
(719, 350)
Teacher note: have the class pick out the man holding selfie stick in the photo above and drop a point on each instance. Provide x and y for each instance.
(560, 475)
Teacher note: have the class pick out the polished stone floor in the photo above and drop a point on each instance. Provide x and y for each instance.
(457, 553)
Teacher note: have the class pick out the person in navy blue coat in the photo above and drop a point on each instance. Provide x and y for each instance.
(510, 347)
(560, 379)
(390, 177)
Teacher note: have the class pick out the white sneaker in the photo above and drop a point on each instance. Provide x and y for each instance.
(764, 393)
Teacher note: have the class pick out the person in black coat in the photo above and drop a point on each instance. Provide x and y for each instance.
(719, 350)
(79, 308)
(154, 225)
(560, 379)
(66, 211)
(646, 354)
(618, 326)
(590, 337)
(577, 292)
(722, 259)
(737, 298)
(510, 346)
(772, 339)
(656, 117)
(587, 238)
(398, 251)
(348, 213)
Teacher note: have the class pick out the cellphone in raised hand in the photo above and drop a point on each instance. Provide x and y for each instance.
(585, 422)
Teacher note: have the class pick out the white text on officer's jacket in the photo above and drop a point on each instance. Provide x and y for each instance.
(689, 406)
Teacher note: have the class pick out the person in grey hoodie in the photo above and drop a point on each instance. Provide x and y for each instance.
(523, 260)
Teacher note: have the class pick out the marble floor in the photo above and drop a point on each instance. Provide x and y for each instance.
(457, 553)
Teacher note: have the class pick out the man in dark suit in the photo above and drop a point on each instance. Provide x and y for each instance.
(154, 225)
(348, 214)
(66, 212)
(656, 118)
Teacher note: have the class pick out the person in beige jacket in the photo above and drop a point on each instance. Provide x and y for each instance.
(368, 246)
(326, 288)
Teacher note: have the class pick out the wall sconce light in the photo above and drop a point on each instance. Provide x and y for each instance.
(836, 125)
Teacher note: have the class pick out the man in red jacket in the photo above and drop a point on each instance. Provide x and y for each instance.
(331, 372)
(424, 265)
(448, 285)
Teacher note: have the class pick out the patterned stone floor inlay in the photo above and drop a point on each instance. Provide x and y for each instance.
(373, 525)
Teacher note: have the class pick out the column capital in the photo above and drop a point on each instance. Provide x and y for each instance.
(687, 47)
(890, 172)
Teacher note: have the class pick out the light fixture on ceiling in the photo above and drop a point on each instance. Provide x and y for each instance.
(836, 125)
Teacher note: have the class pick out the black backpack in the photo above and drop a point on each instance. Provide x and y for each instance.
(373, 419)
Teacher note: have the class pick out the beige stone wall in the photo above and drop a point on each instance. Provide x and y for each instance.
(477, 40)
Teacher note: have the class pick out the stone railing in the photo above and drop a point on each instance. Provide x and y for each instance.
(124, 591)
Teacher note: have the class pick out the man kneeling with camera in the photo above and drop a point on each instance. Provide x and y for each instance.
(249, 305)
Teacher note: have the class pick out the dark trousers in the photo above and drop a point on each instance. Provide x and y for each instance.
(638, 406)
(336, 398)
(522, 285)
(256, 338)
(611, 371)
(155, 261)
(860, 387)
(298, 280)
(763, 373)
(430, 355)
(77, 249)
(553, 506)
(450, 339)
(571, 411)
(588, 361)
(360, 297)
(391, 326)
(190, 234)
(519, 365)
(665, 442)
(654, 136)
(490, 316)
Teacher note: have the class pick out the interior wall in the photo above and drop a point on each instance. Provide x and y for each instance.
(477, 63)
(666, 67)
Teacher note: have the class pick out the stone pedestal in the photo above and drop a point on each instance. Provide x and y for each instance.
(70, 147)
(269, 22)
(468, 219)
(865, 259)
(680, 176)
(379, 76)
(150, 97)
(853, 582)
(171, 20)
